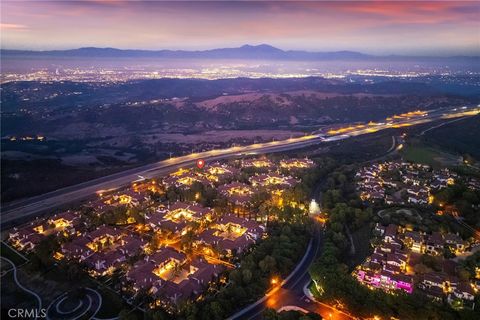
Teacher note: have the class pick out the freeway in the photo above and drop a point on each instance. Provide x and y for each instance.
(19, 211)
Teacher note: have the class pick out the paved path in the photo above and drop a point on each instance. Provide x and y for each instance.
(14, 267)
(86, 307)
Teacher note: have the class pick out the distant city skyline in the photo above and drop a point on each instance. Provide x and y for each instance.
(381, 28)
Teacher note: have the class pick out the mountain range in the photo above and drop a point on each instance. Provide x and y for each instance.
(262, 51)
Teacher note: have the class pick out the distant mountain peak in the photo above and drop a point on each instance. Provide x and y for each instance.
(247, 51)
(260, 46)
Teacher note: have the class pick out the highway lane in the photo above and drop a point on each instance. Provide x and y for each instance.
(25, 209)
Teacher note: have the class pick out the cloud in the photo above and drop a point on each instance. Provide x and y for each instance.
(312, 25)
(12, 26)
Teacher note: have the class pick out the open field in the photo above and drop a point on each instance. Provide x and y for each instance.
(427, 155)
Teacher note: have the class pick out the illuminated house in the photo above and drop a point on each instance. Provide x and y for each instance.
(178, 217)
(230, 235)
(258, 163)
(104, 263)
(465, 293)
(455, 241)
(296, 164)
(386, 268)
(64, 220)
(273, 180)
(103, 237)
(184, 179)
(239, 196)
(166, 261)
(169, 277)
(127, 198)
(386, 280)
(216, 172)
(29, 236)
(77, 249)
(26, 238)
(435, 244)
(190, 281)
(415, 241)
(147, 186)
(153, 271)
(390, 235)
(103, 251)
(237, 193)
(97, 247)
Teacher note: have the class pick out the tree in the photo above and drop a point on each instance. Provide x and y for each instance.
(246, 276)
(125, 314)
(268, 264)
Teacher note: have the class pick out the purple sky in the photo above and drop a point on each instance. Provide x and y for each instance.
(378, 27)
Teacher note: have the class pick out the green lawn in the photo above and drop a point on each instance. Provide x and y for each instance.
(112, 304)
(427, 155)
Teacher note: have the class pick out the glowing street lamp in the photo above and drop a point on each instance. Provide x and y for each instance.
(274, 281)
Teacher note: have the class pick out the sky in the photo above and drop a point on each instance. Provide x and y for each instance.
(377, 27)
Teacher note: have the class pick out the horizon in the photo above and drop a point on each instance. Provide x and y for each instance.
(445, 28)
(243, 46)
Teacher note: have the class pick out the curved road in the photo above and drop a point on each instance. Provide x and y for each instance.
(294, 282)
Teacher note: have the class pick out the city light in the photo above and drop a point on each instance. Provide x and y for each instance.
(274, 281)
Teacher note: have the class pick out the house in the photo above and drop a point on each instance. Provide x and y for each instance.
(465, 293)
(77, 249)
(103, 237)
(415, 241)
(397, 260)
(132, 245)
(435, 244)
(128, 198)
(26, 238)
(391, 233)
(379, 229)
(230, 234)
(257, 163)
(184, 179)
(389, 247)
(218, 172)
(435, 293)
(178, 217)
(455, 241)
(141, 277)
(434, 279)
(296, 164)
(101, 264)
(166, 259)
(237, 193)
(65, 221)
(147, 187)
(273, 180)
(191, 281)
